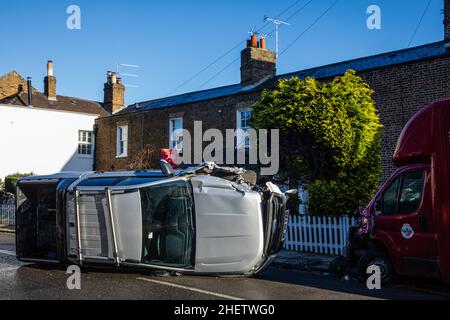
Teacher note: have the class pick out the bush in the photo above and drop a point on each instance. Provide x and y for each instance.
(349, 190)
(5, 196)
(11, 181)
(329, 139)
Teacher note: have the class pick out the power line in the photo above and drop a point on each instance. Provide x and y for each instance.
(229, 51)
(269, 34)
(310, 26)
(218, 73)
(420, 22)
(299, 10)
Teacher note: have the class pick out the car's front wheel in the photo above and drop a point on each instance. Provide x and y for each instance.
(379, 259)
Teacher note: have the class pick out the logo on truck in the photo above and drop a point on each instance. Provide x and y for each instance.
(407, 231)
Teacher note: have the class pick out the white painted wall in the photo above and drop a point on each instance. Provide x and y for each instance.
(42, 141)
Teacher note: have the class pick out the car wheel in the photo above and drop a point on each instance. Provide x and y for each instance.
(379, 259)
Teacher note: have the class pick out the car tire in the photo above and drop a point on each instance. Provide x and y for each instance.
(380, 259)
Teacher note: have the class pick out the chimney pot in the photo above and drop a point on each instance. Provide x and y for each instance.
(263, 43)
(254, 41)
(50, 68)
(112, 77)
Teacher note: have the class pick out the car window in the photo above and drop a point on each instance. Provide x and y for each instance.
(137, 180)
(411, 192)
(99, 182)
(389, 202)
(117, 181)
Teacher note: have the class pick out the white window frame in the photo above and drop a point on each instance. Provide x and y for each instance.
(176, 135)
(242, 131)
(122, 142)
(82, 142)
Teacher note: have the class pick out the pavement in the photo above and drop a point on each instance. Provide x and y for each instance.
(304, 261)
(7, 229)
(32, 282)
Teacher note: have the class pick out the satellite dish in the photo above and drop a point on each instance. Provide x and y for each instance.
(166, 168)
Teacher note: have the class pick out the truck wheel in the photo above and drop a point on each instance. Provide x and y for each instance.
(379, 259)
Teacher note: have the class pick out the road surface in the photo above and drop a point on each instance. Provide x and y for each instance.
(27, 281)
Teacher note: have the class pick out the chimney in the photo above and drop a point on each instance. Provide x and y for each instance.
(114, 90)
(257, 63)
(447, 20)
(50, 82)
(30, 92)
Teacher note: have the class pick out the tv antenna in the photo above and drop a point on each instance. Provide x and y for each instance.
(278, 24)
(265, 35)
(253, 32)
(124, 74)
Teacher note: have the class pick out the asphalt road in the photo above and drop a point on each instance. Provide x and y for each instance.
(24, 281)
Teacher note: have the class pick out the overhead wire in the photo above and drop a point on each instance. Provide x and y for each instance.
(238, 45)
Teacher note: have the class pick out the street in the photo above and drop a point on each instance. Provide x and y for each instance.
(26, 281)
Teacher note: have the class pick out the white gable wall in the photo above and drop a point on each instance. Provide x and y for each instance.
(42, 141)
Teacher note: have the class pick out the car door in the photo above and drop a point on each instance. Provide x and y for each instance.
(404, 222)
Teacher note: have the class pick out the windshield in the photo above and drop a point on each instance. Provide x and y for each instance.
(167, 220)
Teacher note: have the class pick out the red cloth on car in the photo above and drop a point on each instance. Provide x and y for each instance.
(167, 155)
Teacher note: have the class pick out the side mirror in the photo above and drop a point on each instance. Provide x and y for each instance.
(166, 168)
(291, 192)
(378, 207)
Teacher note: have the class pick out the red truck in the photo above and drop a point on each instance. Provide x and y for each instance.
(405, 229)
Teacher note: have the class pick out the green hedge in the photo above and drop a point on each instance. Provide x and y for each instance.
(329, 139)
(11, 181)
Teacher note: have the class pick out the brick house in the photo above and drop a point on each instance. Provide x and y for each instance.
(404, 81)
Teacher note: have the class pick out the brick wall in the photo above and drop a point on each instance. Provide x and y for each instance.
(400, 91)
(152, 127)
(9, 84)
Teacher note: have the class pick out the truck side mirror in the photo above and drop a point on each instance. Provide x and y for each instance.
(379, 206)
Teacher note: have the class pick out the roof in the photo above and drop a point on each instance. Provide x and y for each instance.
(385, 60)
(189, 98)
(62, 103)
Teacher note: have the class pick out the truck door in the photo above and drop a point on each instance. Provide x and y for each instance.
(404, 222)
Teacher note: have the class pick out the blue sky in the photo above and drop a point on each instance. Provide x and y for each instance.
(172, 40)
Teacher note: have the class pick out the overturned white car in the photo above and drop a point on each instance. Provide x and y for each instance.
(206, 220)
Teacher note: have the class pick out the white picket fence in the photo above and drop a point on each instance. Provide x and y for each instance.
(322, 235)
(7, 214)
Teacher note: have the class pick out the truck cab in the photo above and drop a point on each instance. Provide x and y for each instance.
(405, 229)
